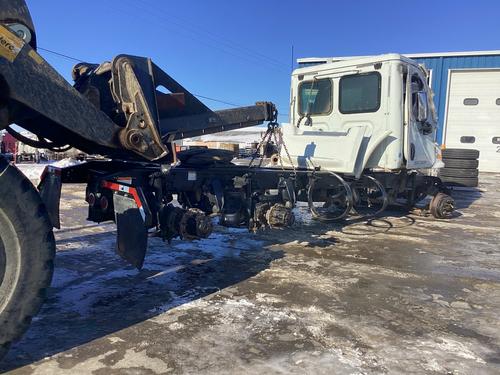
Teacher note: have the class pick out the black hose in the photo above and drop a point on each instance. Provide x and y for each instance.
(60, 149)
(38, 144)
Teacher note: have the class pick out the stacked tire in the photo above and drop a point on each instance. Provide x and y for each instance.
(460, 167)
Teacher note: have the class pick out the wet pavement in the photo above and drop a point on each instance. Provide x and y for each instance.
(406, 293)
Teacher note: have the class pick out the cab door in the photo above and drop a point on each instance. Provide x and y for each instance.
(420, 149)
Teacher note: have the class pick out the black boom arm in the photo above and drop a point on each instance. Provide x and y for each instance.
(128, 108)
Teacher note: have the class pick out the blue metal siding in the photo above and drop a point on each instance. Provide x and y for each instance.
(440, 67)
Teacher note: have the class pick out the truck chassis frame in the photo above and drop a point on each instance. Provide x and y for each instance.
(177, 201)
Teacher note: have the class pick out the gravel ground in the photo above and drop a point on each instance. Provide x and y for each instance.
(405, 293)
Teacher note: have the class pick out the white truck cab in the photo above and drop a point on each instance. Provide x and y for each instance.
(373, 113)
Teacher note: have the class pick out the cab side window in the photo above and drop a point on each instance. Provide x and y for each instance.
(316, 97)
(416, 86)
(359, 93)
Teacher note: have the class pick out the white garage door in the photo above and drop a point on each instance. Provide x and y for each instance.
(473, 119)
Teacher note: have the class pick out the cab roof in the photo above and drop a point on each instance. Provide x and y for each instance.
(322, 64)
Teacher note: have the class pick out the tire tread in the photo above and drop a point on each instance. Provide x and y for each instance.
(36, 238)
(460, 153)
(460, 181)
(459, 172)
(461, 163)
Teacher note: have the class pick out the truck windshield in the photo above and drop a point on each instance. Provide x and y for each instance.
(315, 97)
(359, 93)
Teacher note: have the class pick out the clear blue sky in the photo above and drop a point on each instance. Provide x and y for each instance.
(240, 51)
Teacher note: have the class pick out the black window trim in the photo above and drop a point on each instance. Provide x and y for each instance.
(331, 97)
(467, 139)
(379, 96)
(474, 100)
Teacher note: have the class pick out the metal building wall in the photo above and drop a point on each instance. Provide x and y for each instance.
(440, 67)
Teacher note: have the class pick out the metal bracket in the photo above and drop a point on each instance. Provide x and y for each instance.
(133, 88)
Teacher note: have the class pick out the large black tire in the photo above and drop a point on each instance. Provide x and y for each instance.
(461, 163)
(456, 172)
(460, 181)
(27, 250)
(460, 153)
(3, 350)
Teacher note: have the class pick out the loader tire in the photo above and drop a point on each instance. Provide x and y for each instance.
(460, 153)
(461, 163)
(27, 250)
(3, 350)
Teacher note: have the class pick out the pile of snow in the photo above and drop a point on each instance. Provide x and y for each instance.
(68, 162)
(34, 171)
(241, 136)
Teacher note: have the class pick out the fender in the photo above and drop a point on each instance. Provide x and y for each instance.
(370, 151)
(50, 191)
